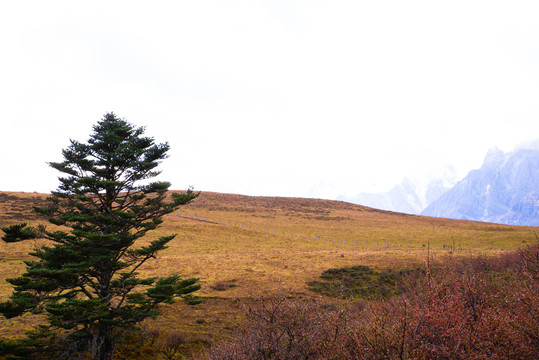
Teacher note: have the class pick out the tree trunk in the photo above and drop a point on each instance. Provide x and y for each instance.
(103, 344)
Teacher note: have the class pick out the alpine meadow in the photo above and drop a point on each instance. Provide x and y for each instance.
(93, 271)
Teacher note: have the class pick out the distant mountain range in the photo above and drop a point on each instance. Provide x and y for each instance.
(504, 190)
(410, 196)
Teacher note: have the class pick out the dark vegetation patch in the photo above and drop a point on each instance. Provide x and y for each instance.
(18, 208)
(223, 285)
(326, 218)
(6, 197)
(362, 282)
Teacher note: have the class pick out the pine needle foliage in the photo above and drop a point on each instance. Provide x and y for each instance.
(87, 280)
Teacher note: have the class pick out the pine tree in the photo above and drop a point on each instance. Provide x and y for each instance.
(87, 280)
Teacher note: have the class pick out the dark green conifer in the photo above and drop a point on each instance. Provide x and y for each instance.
(87, 280)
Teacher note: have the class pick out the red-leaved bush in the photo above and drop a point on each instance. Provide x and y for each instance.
(473, 308)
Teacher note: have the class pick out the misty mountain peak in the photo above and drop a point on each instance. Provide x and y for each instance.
(504, 190)
(495, 158)
(410, 196)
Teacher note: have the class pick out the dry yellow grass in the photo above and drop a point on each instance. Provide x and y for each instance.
(261, 258)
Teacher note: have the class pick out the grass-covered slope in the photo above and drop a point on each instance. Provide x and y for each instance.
(254, 247)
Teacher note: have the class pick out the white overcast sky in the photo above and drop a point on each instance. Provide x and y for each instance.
(277, 97)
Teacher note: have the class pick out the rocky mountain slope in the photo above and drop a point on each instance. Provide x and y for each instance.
(504, 190)
(410, 196)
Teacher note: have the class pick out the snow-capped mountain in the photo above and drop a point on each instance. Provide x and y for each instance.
(410, 196)
(504, 190)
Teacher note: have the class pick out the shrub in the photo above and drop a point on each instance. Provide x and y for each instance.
(361, 282)
(480, 308)
(281, 328)
(223, 285)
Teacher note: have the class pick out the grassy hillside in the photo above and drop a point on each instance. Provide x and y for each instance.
(261, 246)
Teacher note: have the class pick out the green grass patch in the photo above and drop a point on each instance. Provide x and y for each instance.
(361, 282)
